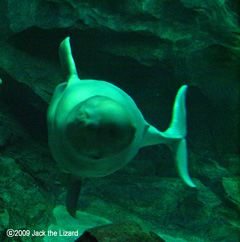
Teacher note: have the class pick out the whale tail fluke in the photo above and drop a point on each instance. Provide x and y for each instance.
(177, 132)
(174, 136)
(178, 126)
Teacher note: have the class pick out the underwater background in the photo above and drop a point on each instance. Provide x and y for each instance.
(148, 48)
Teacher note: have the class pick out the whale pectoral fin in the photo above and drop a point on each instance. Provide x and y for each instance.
(66, 59)
(73, 192)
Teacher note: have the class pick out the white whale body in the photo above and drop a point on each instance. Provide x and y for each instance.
(95, 128)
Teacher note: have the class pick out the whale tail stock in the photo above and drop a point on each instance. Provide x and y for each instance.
(174, 136)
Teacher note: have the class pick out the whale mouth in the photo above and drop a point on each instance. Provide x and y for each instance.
(99, 127)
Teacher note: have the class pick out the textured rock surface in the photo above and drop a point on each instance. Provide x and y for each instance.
(64, 222)
(148, 48)
(119, 232)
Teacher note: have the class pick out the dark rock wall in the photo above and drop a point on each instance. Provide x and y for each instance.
(149, 49)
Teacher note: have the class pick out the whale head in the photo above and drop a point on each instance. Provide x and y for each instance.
(99, 127)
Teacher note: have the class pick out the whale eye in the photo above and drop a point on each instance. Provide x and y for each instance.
(95, 155)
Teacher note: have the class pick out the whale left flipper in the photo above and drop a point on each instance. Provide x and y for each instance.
(95, 128)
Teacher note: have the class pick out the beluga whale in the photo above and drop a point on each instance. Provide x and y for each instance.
(95, 128)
